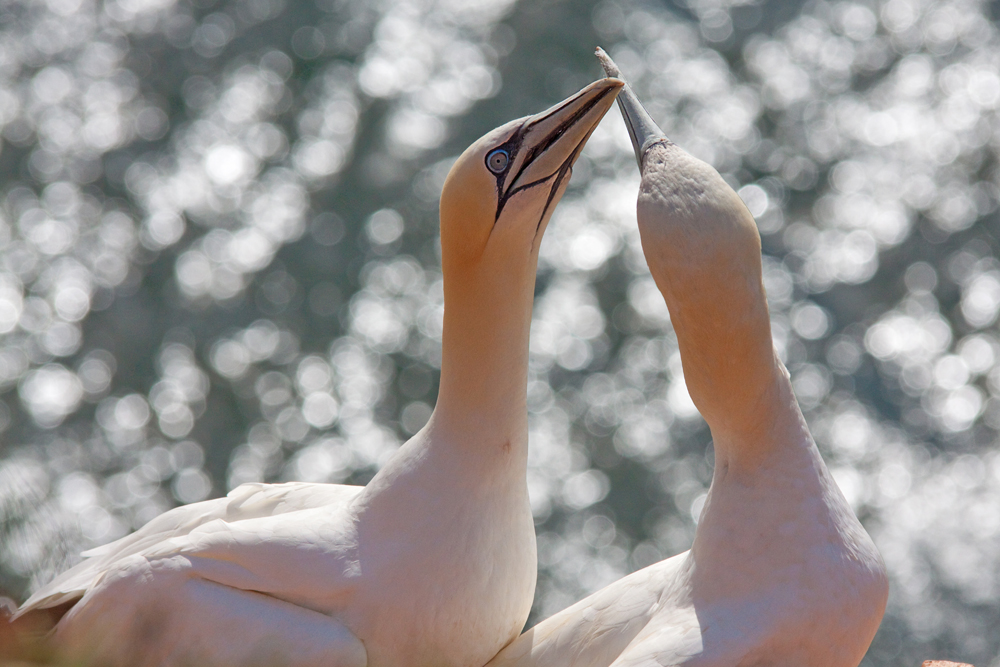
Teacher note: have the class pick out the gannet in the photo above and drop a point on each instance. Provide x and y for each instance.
(781, 572)
(433, 562)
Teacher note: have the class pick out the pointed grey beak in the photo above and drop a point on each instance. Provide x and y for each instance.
(641, 128)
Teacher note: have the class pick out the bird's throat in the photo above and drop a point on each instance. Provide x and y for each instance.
(487, 317)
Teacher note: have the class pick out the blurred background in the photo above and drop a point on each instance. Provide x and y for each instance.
(219, 264)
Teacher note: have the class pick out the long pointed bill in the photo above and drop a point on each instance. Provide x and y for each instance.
(641, 128)
(543, 150)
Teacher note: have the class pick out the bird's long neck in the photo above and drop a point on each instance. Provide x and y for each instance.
(724, 336)
(487, 316)
(704, 252)
(770, 486)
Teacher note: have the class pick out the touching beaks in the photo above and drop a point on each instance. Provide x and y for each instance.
(543, 149)
(641, 128)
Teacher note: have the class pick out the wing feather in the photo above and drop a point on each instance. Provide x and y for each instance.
(172, 531)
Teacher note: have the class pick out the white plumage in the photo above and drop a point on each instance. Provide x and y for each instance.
(433, 562)
(781, 572)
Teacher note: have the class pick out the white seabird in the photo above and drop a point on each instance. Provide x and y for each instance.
(781, 572)
(433, 562)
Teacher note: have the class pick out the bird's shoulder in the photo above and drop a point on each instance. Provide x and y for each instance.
(221, 525)
(245, 510)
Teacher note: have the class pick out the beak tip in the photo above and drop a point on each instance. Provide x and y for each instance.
(608, 64)
(609, 83)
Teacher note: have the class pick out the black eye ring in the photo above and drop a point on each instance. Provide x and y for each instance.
(497, 160)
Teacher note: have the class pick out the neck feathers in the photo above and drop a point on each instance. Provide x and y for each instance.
(484, 361)
(703, 250)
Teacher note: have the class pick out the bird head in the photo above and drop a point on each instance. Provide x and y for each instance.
(696, 231)
(500, 193)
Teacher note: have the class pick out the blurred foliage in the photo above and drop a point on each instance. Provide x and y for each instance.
(218, 264)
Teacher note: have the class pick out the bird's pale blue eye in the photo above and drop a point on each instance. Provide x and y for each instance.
(497, 160)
